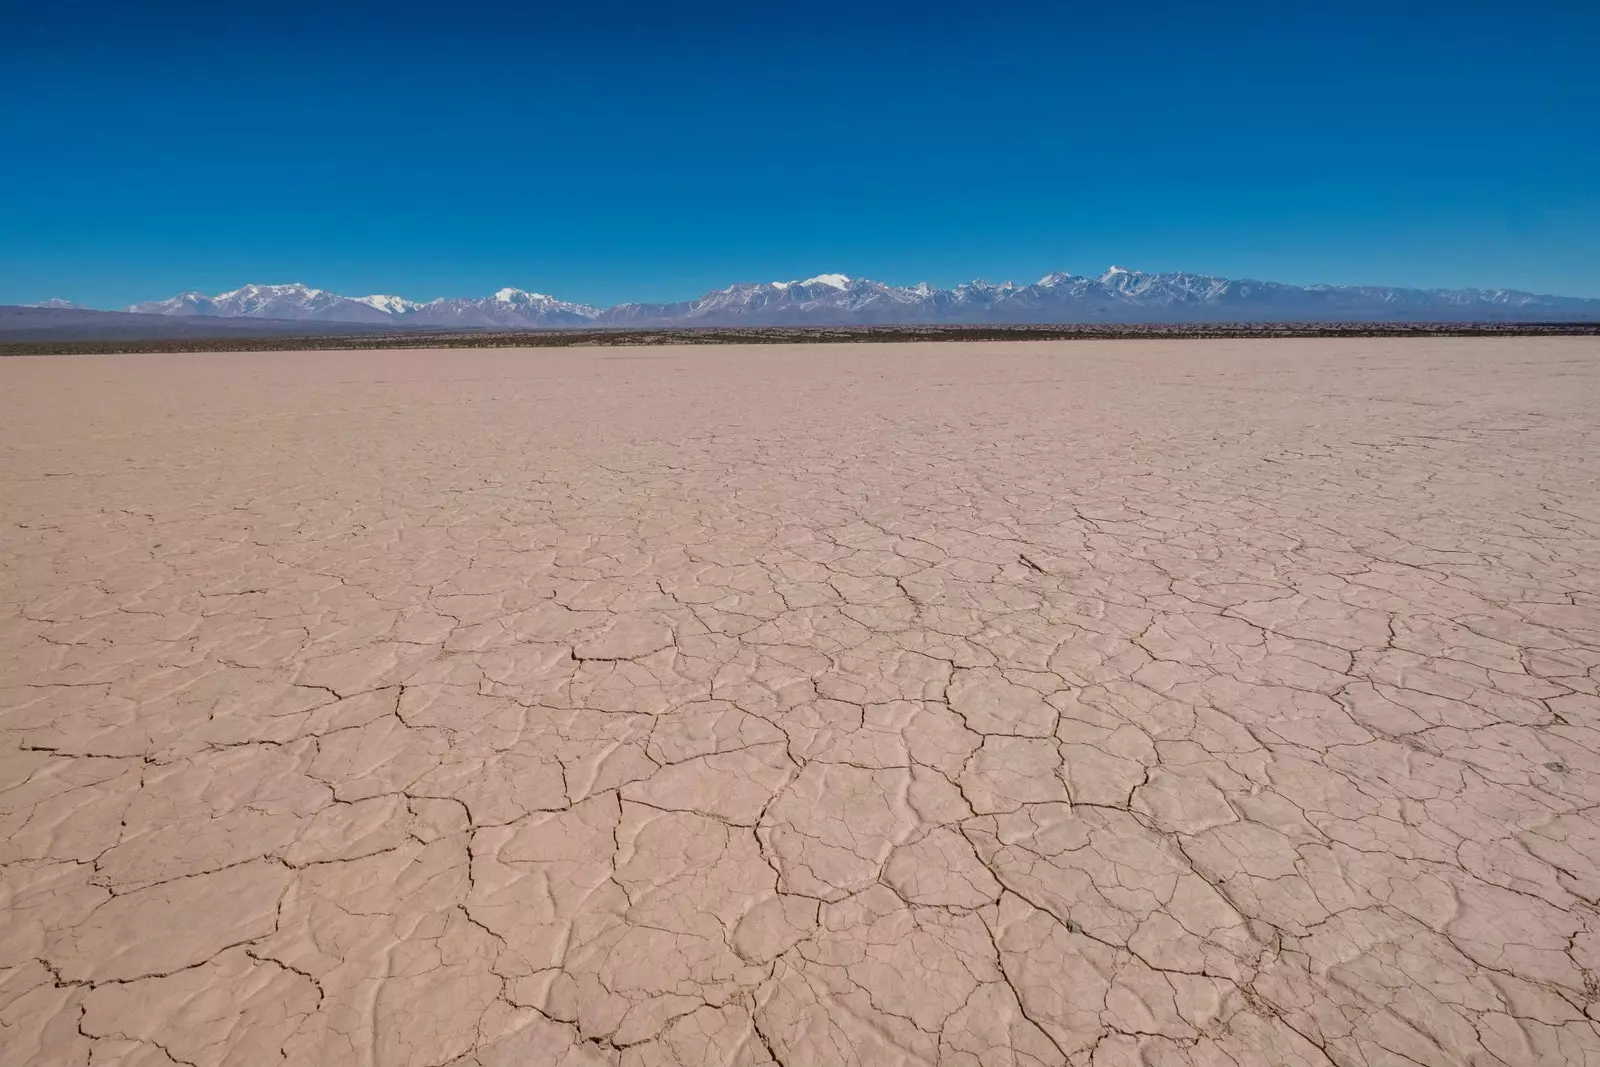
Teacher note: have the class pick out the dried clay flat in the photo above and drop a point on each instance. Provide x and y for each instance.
(1182, 704)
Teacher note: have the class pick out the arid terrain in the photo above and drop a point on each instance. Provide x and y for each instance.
(1172, 702)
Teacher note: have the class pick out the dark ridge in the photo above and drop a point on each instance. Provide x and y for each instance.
(367, 338)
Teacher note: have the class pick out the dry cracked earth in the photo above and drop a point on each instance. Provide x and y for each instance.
(1165, 703)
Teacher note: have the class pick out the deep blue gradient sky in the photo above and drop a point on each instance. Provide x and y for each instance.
(609, 151)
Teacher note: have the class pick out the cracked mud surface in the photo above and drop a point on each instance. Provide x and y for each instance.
(1164, 703)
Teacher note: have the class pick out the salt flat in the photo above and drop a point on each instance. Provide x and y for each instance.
(1158, 703)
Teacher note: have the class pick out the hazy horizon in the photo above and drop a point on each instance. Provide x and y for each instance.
(1013, 277)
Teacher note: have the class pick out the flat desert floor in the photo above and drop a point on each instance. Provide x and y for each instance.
(1164, 703)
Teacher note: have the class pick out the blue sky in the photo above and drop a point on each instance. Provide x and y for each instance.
(617, 151)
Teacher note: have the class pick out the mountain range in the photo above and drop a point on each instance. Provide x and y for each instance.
(1117, 295)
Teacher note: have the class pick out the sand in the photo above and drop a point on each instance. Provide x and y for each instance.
(1167, 703)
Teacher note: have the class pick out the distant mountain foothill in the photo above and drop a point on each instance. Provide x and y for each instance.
(1118, 295)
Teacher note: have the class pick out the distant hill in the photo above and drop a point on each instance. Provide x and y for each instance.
(58, 323)
(1116, 296)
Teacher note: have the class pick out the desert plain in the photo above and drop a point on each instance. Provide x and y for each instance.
(1096, 703)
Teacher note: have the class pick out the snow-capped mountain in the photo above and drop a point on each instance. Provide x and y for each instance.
(389, 305)
(293, 301)
(57, 303)
(1117, 295)
(506, 308)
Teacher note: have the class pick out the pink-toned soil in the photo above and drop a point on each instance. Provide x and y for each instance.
(1164, 703)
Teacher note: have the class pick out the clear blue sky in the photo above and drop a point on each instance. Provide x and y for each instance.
(609, 151)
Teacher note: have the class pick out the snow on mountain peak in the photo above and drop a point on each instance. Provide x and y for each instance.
(832, 281)
(299, 289)
(521, 296)
(394, 305)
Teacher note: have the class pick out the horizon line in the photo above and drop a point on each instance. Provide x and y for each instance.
(820, 278)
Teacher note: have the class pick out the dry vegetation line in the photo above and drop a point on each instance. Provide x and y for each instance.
(1150, 702)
